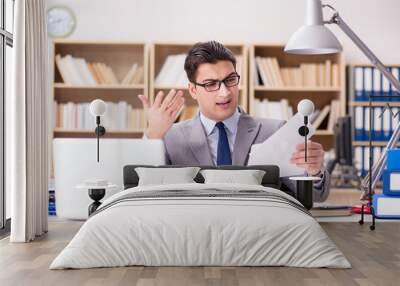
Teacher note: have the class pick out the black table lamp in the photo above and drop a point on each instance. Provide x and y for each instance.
(97, 109)
(304, 184)
(305, 108)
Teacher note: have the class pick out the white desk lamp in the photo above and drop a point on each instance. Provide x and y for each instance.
(314, 38)
(97, 109)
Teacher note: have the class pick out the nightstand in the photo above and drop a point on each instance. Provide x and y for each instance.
(96, 193)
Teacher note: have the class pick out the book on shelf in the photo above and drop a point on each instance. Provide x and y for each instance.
(261, 73)
(268, 73)
(239, 65)
(84, 72)
(321, 116)
(172, 71)
(368, 80)
(384, 123)
(135, 75)
(335, 75)
(331, 111)
(99, 75)
(138, 77)
(119, 116)
(314, 116)
(268, 64)
(280, 110)
(361, 158)
(328, 73)
(77, 71)
(188, 112)
(321, 75)
(334, 114)
(107, 73)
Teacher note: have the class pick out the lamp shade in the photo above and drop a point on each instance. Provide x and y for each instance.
(305, 107)
(97, 107)
(313, 38)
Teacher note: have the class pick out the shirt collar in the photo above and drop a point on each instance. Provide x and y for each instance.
(231, 123)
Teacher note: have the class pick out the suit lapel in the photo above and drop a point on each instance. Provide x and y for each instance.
(198, 142)
(246, 133)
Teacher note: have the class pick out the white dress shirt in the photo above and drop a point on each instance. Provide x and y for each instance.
(212, 134)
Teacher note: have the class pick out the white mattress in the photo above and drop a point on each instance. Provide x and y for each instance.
(183, 231)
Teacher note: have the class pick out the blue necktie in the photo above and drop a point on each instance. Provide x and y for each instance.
(223, 153)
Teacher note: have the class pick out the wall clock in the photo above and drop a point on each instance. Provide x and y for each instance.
(61, 22)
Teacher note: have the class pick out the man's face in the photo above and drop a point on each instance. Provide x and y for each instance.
(220, 104)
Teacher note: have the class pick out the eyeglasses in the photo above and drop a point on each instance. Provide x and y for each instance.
(214, 85)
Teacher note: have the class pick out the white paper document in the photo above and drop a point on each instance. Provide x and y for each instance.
(278, 149)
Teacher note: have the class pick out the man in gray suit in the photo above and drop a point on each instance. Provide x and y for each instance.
(222, 133)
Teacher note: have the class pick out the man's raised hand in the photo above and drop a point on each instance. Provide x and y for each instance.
(162, 113)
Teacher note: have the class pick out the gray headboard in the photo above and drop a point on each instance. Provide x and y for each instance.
(270, 179)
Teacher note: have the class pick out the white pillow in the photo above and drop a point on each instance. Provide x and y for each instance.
(163, 176)
(248, 177)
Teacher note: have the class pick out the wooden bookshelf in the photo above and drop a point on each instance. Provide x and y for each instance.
(83, 133)
(119, 56)
(321, 95)
(373, 143)
(374, 103)
(159, 53)
(363, 81)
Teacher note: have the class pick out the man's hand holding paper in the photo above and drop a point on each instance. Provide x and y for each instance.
(285, 148)
(315, 157)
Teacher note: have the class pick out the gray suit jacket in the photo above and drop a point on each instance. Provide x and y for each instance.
(186, 144)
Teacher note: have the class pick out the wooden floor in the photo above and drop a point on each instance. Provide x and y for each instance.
(375, 257)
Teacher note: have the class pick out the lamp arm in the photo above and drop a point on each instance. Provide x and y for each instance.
(370, 181)
(336, 19)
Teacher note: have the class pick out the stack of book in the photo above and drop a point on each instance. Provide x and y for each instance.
(172, 71)
(387, 205)
(134, 75)
(384, 121)
(118, 116)
(281, 110)
(270, 74)
(77, 71)
(366, 81)
(369, 81)
(332, 112)
(361, 158)
(273, 109)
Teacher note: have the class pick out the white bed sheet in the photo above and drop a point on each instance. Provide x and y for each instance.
(200, 231)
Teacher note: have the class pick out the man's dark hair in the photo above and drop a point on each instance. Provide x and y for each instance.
(206, 52)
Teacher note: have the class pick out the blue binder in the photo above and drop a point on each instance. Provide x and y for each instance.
(391, 182)
(386, 207)
(393, 160)
(359, 123)
(368, 83)
(359, 83)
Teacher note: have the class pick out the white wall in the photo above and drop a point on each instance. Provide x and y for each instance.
(377, 22)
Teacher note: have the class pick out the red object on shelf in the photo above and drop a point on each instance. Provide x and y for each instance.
(356, 209)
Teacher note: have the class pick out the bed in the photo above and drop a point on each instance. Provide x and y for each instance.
(201, 224)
